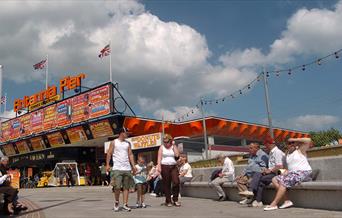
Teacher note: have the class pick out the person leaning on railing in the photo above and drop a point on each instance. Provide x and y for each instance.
(297, 170)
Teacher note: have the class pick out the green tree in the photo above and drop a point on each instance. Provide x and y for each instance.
(322, 138)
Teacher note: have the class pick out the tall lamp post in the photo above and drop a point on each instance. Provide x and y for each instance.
(204, 129)
(268, 107)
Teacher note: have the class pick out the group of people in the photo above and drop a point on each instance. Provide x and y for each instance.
(171, 171)
(283, 170)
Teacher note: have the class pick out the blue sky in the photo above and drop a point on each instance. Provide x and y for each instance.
(166, 54)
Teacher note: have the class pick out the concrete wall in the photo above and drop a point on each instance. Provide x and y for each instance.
(329, 169)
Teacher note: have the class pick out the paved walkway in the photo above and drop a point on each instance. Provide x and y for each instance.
(82, 202)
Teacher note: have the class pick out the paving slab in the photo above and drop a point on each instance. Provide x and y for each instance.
(77, 202)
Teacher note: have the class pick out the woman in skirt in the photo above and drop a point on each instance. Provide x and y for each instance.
(298, 170)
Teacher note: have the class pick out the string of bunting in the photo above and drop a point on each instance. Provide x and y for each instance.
(251, 85)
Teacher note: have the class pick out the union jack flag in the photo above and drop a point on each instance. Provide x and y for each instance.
(3, 99)
(40, 65)
(105, 51)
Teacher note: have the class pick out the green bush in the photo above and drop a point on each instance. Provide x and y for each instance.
(323, 138)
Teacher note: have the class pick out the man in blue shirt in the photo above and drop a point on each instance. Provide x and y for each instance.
(257, 162)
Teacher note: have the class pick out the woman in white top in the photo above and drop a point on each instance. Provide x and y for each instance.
(185, 171)
(298, 170)
(167, 165)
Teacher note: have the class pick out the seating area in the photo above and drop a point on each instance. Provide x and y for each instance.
(324, 192)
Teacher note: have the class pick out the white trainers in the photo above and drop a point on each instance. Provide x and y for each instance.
(286, 204)
(126, 208)
(116, 207)
(143, 205)
(247, 193)
(244, 201)
(153, 194)
(257, 204)
(269, 208)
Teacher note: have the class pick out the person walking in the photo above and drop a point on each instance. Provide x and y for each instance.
(103, 170)
(123, 166)
(70, 180)
(167, 166)
(227, 174)
(141, 182)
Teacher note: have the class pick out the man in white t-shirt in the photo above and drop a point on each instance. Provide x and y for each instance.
(264, 178)
(123, 165)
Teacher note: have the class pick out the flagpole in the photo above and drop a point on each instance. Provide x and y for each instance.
(110, 61)
(47, 72)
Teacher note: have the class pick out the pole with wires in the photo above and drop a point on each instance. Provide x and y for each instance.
(268, 107)
(204, 129)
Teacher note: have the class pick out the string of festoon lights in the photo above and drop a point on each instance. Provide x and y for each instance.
(245, 89)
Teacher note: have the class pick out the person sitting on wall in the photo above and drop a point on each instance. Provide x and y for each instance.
(185, 171)
(297, 170)
(263, 179)
(225, 175)
(11, 204)
(257, 162)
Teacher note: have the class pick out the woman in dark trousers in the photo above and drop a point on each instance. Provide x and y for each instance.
(167, 165)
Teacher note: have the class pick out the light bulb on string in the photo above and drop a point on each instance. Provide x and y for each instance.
(216, 101)
(319, 62)
(290, 72)
(249, 86)
(277, 73)
(232, 96)
(240, 92)
(222, 99)
(336, 55)
(267, 74)
(303, 67)
(192, 111)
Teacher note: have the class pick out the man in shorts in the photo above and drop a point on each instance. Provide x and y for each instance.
(123, 166)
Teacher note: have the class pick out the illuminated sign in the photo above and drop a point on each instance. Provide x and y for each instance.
(76, 134)
(56, 139)
(91, 104)
(49, 95)
(22, 147)
(146, 141)
(101, 129)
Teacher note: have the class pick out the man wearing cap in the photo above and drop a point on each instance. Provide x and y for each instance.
(264, 178)
(123, 166)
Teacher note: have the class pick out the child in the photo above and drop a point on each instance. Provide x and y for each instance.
(140, 182)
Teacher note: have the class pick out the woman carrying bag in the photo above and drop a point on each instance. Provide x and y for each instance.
(167, 166)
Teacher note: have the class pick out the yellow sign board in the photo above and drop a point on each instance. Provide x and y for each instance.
(45, 102)
(146, 141)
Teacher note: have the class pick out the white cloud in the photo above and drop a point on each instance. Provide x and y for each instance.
(307, 122)
(148, 104)
(313, 122)
(159, 64)
(308, 32)
(179, 112)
